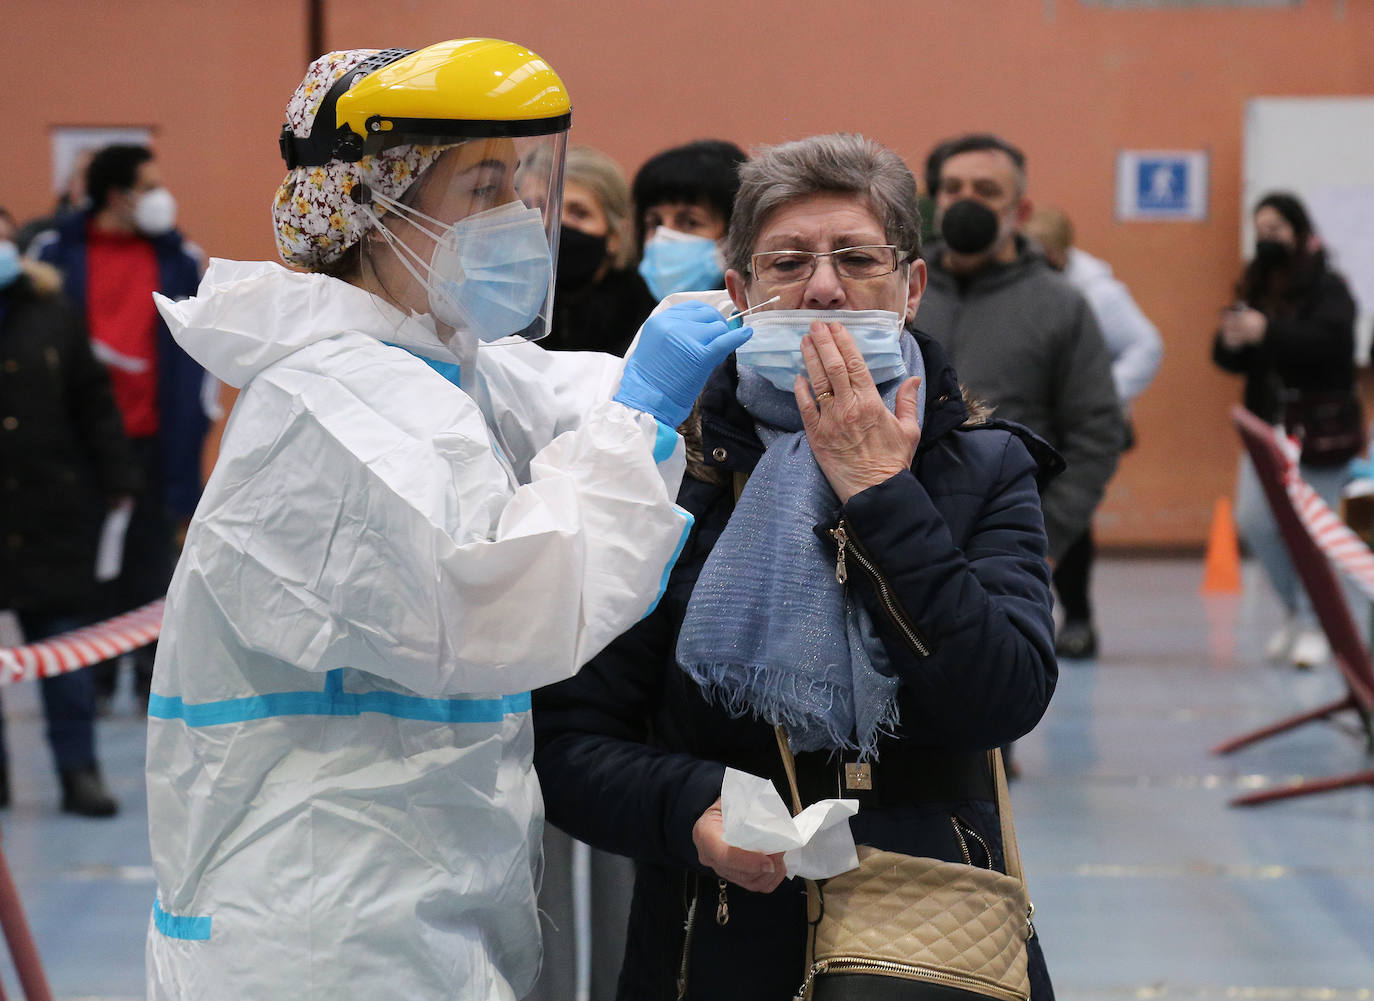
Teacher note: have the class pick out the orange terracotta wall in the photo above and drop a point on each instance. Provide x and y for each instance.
(1071, 83)
(210, 79)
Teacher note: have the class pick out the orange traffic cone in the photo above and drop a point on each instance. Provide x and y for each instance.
(1221, 573)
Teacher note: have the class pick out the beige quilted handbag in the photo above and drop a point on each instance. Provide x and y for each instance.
(902, 928)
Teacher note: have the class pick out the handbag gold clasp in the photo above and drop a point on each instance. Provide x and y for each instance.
(858, 775)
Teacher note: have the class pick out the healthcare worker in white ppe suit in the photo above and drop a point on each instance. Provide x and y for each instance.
(416, 517)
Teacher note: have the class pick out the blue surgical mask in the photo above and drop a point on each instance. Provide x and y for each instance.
(10, 268)
(493, 275)
(774, 351)
(490, 272)
(680, 262)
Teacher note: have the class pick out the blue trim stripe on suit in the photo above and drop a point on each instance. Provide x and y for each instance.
(334, 701)
(179, 926)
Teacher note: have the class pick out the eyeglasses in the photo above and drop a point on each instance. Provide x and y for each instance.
(785, 267)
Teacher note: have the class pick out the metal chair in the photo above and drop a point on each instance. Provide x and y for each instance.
(1324, 590)
(23, 952)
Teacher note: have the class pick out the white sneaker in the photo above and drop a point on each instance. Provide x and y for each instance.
(1280, 645)
(1310, 649)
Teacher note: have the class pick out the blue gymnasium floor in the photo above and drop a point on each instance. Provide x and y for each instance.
(1147, 886)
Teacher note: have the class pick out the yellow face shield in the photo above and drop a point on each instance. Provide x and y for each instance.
(474, 235)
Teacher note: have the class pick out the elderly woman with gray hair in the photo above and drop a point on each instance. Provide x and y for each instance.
(867, 570)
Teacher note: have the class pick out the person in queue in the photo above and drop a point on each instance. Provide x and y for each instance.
(835, 447)
(1021, 337)
(114, 255)
(1136, 351)
(1291, 332)
(402, 536)
(64, 463)
(683, 198)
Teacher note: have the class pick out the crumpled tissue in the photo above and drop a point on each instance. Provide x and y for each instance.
(816, 844)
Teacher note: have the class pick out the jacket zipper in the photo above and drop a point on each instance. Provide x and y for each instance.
(687, 941)
(722, 919)
(848, 546)
(963, 830)
(963, 844)
(859, 964)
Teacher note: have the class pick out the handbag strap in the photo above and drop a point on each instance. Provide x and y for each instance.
(1010, 849)
(815, 905)
(789, 765)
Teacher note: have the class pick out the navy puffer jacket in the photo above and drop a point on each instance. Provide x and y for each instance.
(630, 752)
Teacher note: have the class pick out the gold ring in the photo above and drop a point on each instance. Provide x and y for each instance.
(822, 396)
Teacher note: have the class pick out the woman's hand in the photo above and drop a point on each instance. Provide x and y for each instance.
(1243, 326)
(857, 441)
(751, 870)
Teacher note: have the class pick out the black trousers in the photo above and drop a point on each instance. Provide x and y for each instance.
(1073, 578)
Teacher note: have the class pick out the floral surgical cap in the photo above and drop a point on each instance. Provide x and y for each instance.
(314, 214)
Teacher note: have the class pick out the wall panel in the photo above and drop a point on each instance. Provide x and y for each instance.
(1071, 83)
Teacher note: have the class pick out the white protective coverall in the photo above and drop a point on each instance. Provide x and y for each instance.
(340, 794)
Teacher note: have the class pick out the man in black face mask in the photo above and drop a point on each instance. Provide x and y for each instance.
(1020, 336)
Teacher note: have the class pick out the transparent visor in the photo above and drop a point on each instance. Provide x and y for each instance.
(474, 241)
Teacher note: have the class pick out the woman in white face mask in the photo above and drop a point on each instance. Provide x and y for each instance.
(867, 572)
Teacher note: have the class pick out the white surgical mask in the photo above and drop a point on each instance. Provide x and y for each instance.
(489, 273)
(155, 212)
(774, 351)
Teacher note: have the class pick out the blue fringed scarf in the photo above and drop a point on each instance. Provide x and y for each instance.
(768, 629)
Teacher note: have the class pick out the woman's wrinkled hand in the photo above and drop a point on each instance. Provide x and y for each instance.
(857, 441)
(754, 871)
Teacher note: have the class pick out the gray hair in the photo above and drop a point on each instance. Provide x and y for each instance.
(840, 163)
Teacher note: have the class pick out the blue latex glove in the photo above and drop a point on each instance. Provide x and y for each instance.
(677, 350)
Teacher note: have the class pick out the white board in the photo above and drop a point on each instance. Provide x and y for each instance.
(70, 141)
(1321, 149)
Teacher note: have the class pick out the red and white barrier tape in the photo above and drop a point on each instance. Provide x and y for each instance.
(82, 647)
(1350, 554)
(105, 640)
